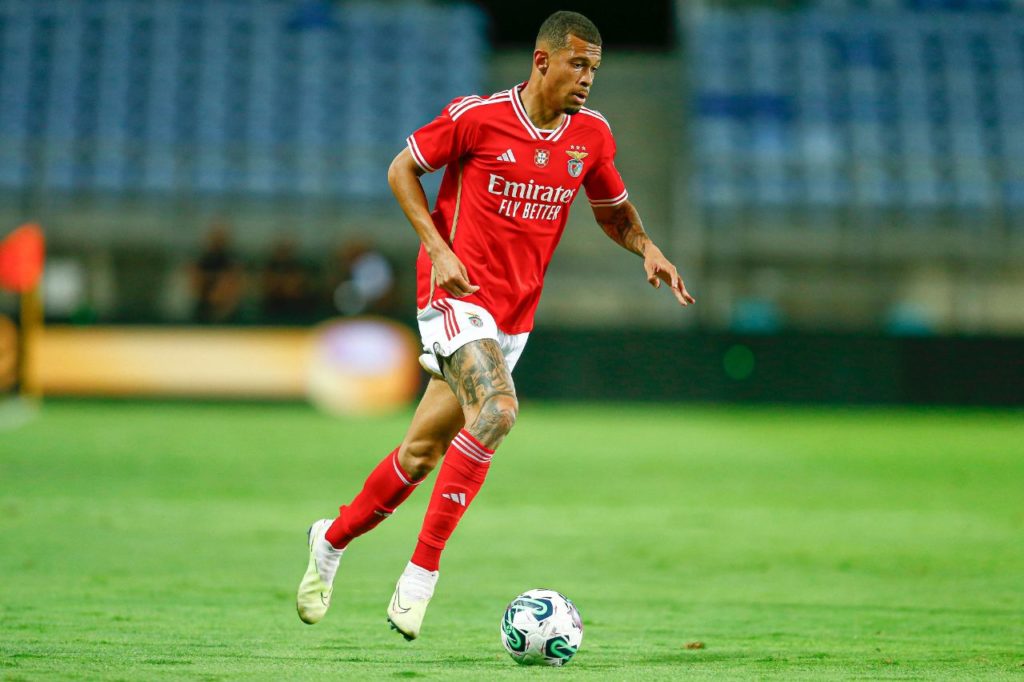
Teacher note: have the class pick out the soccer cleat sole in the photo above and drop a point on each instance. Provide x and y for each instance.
(396, 629)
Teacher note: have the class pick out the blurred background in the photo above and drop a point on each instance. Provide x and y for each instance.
(841, 183)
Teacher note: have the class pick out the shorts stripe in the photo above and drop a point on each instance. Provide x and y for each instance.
(436, 305)
(449, 316)
(442, 334)
(451, 312)
(444, 317)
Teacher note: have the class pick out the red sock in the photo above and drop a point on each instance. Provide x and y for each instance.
(385, 489)
(462, 473)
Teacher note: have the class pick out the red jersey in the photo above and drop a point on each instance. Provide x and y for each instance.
(505, 195)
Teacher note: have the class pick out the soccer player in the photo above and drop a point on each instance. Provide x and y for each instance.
(513, 163)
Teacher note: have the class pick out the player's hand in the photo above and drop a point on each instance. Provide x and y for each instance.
(450, 274)
(659, 269)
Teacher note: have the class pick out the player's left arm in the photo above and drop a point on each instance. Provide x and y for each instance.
(622, 223)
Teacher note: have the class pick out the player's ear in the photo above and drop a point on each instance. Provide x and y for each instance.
(540, 60)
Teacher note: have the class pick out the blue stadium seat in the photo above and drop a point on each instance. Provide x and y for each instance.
(885, 104)
(271, 97)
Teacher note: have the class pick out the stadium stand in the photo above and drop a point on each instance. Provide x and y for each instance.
(223, 96)
(870, 105)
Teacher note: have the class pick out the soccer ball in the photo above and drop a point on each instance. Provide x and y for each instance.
(541, 626)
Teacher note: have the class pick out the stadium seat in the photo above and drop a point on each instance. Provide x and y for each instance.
(884, 104)
(217, 96)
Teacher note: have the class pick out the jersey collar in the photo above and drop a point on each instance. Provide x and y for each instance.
(533, 131)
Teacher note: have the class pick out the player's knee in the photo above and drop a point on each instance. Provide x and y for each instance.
(419, 457)
(498, 414)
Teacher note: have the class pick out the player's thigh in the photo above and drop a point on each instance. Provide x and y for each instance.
(477, 372)
(437, 419)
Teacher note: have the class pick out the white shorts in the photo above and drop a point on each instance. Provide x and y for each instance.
(448, 324)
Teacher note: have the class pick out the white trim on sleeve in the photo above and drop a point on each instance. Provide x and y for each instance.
(417, 156)
(610, 202)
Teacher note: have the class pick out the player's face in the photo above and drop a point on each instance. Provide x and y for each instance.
(571, 73)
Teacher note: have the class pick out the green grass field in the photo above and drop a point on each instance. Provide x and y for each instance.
(165, 541)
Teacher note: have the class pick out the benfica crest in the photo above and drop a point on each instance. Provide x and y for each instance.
(576, 162)
(541, 157)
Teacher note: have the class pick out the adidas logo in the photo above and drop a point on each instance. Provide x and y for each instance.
(508, 156)
(457, 498)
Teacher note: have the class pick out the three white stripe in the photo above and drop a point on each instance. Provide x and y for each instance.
(457, 498)
(512, 96)
(454, 111)
(464, 106)
(471, 449)
(597, 115)
(451, 323)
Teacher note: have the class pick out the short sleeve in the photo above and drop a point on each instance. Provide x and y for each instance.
(603, 183)
(443, 140)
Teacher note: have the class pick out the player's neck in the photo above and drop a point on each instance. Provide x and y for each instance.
(540, 114)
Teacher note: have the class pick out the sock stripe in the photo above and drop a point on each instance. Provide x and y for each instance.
(472, 455)
(398, 470)
(461, 475)
(470, 448)
(384, 490)
(475, 458)
(469, 437)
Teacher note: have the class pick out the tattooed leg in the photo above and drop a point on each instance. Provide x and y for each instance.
(479, 377)
(481, 381)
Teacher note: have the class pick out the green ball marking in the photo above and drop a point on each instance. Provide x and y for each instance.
(513, 636)
(559, 647)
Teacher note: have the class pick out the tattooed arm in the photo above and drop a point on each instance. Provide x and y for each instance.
(622, 224)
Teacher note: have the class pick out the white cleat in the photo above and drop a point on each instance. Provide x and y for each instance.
(409, 602)
(314, 596)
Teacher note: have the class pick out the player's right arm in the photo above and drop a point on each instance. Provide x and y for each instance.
(449, 272)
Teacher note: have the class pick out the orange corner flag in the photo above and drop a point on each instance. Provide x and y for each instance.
(22, 254)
